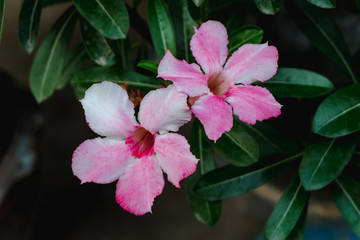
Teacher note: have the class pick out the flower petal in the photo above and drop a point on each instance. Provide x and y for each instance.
(100, 160)
(108, 110)
(174, 156)
(215, 114)
(164, 110)
(138, 187)
(209, 45)
(252, 103)
(187, 78)
(252, 62)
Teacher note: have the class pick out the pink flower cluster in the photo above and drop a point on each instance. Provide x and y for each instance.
(137, 153)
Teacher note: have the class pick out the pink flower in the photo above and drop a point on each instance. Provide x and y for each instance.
(132, 153)
(219, 91)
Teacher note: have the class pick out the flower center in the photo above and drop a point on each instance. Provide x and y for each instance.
(217, 83)
(141, 142)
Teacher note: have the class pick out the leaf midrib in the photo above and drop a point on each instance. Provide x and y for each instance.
(348, 196)
(238, 144)
(110, 17)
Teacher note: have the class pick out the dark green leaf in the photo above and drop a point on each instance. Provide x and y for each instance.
(122, 49)
(338, 114)
(161, 27)
(2, 9)
(322, 31)
(287, 212)
(324, 160)
(73, 64)
(49, 60)
(184, 28)
(299, 83)
(198, 2)
(96, 45)
(205, 211)
(269, 7)
(109, 17)
(230, 181)
(358, 3)
(148, 65)
(298, 231)
(85, 78)
(346, 193)
(47, 3)
(29, 21)
(243, 35)
(323, 3)
(237, 147)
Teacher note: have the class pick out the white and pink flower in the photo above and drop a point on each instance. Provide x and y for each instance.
(217, 88)
(134, 154)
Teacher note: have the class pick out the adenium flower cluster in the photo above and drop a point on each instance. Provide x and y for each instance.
(137, 153)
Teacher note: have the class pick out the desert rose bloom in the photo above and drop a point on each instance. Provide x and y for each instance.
(218, 89)
(135, 154)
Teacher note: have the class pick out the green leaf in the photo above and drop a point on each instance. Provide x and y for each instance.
(287, 212)
(323, 33)
(298, 231)
(324, 160)
(29, 21)
(149, 65)
(96, 45)
(49, 60)
(109, 17)
(73, 63)
(198, 2)
(85, 78)
(47, 3)
(298, 83)
(323, 3)
(244, 35)
(338, 114)
(2, 9)
(269, 7)
(230, 181)
(237, 147)
(184, 28)
(161, 28)
(346, 193)
(205, 211)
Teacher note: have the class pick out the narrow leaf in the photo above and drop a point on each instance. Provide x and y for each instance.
(96, 45)
(184, 28)
(237, 147)
(269, 7)
(287, 212)
(198, 2)
(49, 60)
(161, 27)
(2, 9)
(346, 193)
(323, 33)
(244, 35)
(29, 21)
(323, 3)
(85, 78)
(338, 114)
(148, 65)
(109, 17)
(324, 160)
(298, 83)
(230, 181)
(205, 211)
(73, 63)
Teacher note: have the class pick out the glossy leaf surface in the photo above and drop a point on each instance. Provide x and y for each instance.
(161, 27)
(230, 181)
(323, 33)
(299, 83)
(298, 231)
(96, 45)
(323, 3)
(237, 147)
(338, 114)
(287, 212)
(85, 78)
(205, 211)
(269, 7)
(29, 21)
(109, 17)
(324, 160)
(244, 35)
(198, 2)
(49, 60)
(149, 65)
